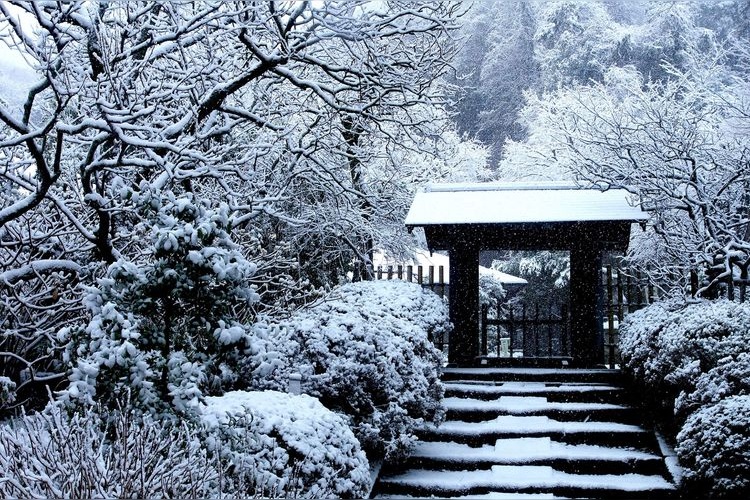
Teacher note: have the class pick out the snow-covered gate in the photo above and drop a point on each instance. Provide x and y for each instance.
(465, 219)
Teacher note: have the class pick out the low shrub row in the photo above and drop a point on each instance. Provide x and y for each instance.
(246, 444)
(694, 359)
(370, 377)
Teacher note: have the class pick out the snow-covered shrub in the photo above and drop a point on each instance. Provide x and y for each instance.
(284, 445)
(164, 328)
(52, 455)
(699, 335)
(730, 377)
(694, 356)
(639, 341)
(491, 290)
(669, 346)
(714, 448)
(7, 392)
(366, 352)
(407, 301)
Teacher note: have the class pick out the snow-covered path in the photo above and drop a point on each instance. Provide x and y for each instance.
(512, 434)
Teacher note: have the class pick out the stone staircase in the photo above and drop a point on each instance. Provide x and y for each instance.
(533, 433)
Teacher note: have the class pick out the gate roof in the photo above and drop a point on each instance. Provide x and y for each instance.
(523, 216)
(513, 203)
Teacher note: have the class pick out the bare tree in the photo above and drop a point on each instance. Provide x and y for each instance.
(680, 146)
(274, 107)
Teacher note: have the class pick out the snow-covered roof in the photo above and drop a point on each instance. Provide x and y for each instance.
(504, 278)
(498, 203)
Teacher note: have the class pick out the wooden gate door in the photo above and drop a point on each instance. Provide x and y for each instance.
(521, 332)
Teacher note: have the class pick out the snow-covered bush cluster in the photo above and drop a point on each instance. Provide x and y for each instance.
(52, 455)
(684, 350)
(694, 358)
(174, 327)
(164, 335)
(164, 328)
(366, 352)
(245, 444)
(714, 447)
(282, 445)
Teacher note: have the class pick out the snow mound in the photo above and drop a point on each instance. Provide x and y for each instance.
(287, 445)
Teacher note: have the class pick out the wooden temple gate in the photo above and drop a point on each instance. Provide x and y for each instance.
(465, 219)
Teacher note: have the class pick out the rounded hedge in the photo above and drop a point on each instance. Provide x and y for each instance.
(366, 352)
(283, 445)
(714, 448)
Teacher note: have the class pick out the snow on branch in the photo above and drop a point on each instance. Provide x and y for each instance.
(26, 271)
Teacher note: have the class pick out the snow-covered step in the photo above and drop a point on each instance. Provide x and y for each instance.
(533, 374)
(553, 391)
(546, 433)
(535, 451)
(511, 426)
(525, 479)
(478, 409)
(497, 495)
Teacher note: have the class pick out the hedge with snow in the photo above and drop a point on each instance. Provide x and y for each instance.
(100, 454)
(694, 358)
(283, 445)
(365, 351)
(250, 445)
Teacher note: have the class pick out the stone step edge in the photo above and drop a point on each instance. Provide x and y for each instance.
(519, 478)
(523, 404)
(528, 425)
(531, 387)
(522, 450)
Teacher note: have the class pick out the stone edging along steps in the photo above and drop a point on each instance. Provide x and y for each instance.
(532, 433)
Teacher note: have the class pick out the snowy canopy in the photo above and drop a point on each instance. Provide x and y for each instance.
(498, 203)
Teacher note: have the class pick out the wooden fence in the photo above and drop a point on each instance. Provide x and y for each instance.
(623, 292)
(431, 277)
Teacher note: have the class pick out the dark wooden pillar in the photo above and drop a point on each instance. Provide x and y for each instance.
(464, 304)
(585, 306)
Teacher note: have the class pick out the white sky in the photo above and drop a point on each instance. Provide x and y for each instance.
(16, 76)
